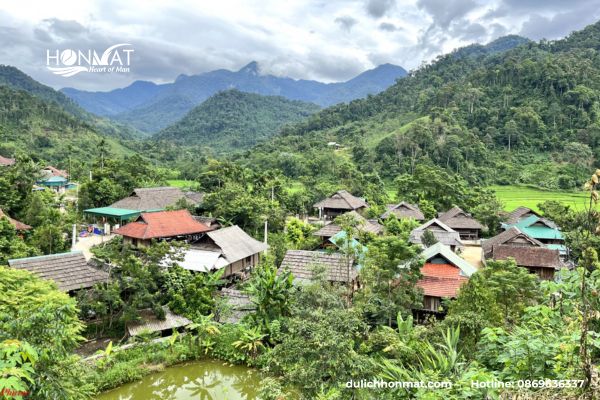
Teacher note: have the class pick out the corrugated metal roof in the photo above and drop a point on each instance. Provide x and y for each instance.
(445, 252)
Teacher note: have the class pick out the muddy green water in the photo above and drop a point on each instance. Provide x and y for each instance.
(205, 380)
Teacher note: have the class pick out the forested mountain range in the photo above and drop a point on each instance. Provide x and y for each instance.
(151, 107)
(232, 120)
(525, 114)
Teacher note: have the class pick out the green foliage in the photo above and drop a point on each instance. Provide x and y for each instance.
(17, 361)
(234, 120)
(192, 295)
(11, 245)
(388, 280)
(33, 310)
(270, 293)
(495, 296)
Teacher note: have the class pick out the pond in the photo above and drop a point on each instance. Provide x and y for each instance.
(206, 380)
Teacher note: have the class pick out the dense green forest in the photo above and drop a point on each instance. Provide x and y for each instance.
(232, 120)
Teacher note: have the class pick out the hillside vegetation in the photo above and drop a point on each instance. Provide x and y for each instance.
(527, 114)
(232, 120)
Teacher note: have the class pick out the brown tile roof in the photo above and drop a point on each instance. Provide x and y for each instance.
(162, 224)
(519, 213)
(20, 226)
(149, 322)
(70, 271)
(158, 198)
(365, 225)
(301, 262)
(441, 280)
(7, 161)
(404, 210)
(342, 200)
(505, 237)
(53, 171)
(528, 256)
(442, 232)
(456, 218)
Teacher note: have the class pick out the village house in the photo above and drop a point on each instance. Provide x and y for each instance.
(542, 261)
(467, 227)
(54, 178)
(6, 162)
(239, 305)
(330, 229)
(518, 214)
(442, 233)
(404, 210)
(527, 252)
(162, 225)
(70, 271)
(543, 230)
(19, 226)
(157, 199)
(230, 249)
(443, 273)
(338, 268)
(339, 203)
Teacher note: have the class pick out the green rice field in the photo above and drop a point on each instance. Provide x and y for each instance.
(515, 196)
(181, 183)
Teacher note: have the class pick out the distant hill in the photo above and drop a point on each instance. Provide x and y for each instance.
(16, 79)
(44, 130)
(232, 120)
(150, 107)
(499, 45)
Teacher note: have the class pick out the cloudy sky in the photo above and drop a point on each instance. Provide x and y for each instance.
(326, 40)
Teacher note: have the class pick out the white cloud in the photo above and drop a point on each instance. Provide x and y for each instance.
(328, 40)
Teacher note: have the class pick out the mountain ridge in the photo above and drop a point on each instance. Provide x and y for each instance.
(143, 110)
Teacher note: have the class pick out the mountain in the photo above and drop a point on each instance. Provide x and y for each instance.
(232, 120)
(526, 113)
(151, 107)
(499, 45)
(16, 79)
(42, 129)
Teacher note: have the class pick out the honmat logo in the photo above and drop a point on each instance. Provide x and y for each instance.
(69, 62)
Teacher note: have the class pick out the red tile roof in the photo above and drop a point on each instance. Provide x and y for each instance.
(56, 172)
(6, 161)
(162, 224)
(20, 226)
(441, 280)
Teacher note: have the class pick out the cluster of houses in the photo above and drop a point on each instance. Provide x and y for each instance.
(457, 251)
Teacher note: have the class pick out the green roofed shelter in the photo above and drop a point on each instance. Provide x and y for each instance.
(54, 181)
(119, 214)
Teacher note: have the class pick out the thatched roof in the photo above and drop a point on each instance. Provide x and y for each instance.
(158, 198)
(149, 322)
(342, 200)
(19, 226)
(301, 263)
(456, 218)
(442, 232)
(70, 271)
(365, 225)
(519, 213)
(528, 256)
(235, 244)
(510, 236)
(404, 210)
